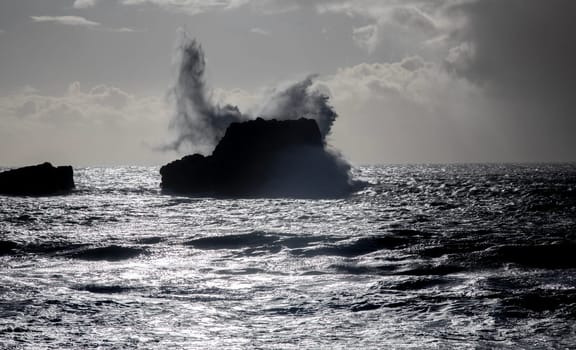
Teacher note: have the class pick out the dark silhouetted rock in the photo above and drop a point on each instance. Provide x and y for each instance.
(37, 180)
(262, 158)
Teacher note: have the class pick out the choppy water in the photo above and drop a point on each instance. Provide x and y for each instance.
(460, 256)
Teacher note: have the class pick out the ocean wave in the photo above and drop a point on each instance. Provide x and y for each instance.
(253, 239)
(109, 253)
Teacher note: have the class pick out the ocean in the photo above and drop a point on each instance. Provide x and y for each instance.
(478, 256)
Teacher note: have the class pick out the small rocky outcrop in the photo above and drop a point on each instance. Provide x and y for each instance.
(37, 180)
(262, 158)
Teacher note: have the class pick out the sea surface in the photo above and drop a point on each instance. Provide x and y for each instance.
(424, 257)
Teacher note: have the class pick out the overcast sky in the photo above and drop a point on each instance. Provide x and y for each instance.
(86, 82)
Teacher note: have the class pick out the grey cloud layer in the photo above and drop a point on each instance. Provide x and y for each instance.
(84, 3)
(66, 20)
(523, 54)
(413, 80)
(79, 21)
(518, 54)
(520, 46)
(101, 125)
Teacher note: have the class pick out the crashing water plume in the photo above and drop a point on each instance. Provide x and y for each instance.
(301, 101)
(200, 123)
(280, 151)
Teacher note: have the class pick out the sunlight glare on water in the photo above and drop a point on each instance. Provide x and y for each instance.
(423, 257)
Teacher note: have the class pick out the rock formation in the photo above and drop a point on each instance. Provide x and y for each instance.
(262, 158)
(37, 180)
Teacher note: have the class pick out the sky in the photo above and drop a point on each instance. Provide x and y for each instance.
(88, 82)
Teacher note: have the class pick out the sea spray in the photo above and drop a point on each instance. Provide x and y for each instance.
(200, 123)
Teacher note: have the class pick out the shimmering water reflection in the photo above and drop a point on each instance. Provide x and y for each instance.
(477, 256)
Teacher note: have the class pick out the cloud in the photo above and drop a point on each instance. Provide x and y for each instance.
(367, 37)
(66, 20)
(86, 107)
(525, 47)
(452, 80)
(272, 7)
(28, 90)
(391, 24)
(412, 111)
(82, 22)
(99, 125)
(260, 31)
(195, 7)
(2, 31)
(502, 73)
(522, 54)
(413, 17)
(124, 30)
(411, 80)
(84, 3)
(191, 7)
(413, 12)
